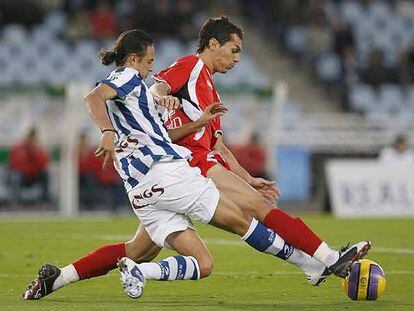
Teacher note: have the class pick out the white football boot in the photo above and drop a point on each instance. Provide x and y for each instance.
(132, 279)
(316, 272)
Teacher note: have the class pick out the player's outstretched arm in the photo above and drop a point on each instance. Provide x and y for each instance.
(95, 101)
(213, 111)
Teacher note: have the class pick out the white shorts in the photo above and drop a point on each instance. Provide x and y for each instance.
(171, 195)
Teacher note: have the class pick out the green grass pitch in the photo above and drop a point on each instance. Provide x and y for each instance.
(242, 279)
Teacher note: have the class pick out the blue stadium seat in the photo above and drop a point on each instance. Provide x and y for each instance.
(362, 98)
(296, 39)
(13, 34)
(351, 10)
(328, 67)
(409, 99)
(391, 98)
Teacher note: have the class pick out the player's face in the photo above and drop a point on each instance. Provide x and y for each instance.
(228, 55)
(145, 64)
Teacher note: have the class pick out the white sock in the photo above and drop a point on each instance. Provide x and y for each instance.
(171, 268)
(67, 275)
(299, 259)
(326, 255)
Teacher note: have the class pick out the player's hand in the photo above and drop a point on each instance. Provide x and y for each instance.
(211, 112)
(268, 197)
(265, 187)
(106, 148)
(169, 102)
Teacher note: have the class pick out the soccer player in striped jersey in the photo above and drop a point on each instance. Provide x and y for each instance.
(165, 192)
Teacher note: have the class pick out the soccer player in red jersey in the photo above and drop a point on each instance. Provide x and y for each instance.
(190, 79)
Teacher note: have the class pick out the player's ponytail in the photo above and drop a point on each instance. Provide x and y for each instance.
(131, 41)
(107, 56)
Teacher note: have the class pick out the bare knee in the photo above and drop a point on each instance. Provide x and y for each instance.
(206, 266)
(139, 255)
(141, 252)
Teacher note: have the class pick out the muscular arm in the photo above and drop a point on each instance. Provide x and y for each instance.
(161, 89)
(95, 101)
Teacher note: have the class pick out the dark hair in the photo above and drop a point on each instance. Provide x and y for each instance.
(131, 41)
(400, 139)
(220, 28)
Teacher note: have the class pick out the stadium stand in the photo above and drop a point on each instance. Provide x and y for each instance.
(370, 55)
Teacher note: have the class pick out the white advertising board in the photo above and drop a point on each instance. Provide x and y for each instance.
(361, 188)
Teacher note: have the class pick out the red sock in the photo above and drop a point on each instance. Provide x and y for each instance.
(100, 261)
(293, 230)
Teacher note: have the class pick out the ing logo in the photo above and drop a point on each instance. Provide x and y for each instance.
(154, 191)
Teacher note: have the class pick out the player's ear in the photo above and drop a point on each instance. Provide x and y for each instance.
(133, 58)
(213, 44)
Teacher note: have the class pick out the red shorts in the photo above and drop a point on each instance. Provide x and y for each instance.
(204, 161)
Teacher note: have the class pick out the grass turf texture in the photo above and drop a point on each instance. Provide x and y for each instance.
(242, 279)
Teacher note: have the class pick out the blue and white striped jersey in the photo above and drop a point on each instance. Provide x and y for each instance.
(142, 136)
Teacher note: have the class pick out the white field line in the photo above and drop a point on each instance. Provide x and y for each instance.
(382, 250)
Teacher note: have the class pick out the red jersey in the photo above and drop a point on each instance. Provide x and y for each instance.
(28, 160)
(191, 80)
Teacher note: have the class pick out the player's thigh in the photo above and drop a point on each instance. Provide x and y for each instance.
(239, 191)
(189, 243)
(141, 248)
(230, 217)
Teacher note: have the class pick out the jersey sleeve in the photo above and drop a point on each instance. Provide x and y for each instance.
(177, 75)
(123, 82)
(216, 124)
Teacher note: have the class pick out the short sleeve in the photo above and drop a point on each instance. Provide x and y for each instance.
(177, 75)
(216, 124)
(123, 81)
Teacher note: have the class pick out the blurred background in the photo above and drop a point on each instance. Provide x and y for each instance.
(322, 100)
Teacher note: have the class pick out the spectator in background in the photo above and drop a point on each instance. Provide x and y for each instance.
(103, 21)
(344, 40)
(89, 166)
(399, 153)
(78, 27)
(405, 67)
(28, 164)
(111, 189)
(376, 73)
(98, 187)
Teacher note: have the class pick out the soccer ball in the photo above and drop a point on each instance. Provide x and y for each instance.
(366, 281)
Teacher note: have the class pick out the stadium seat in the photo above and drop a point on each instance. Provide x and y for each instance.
(55, 21)
(296, 39)
(391, 98)
(328, 67)
(352, 11)
(379, 10)
(14, 34)
(409, 99)
(362, 98)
